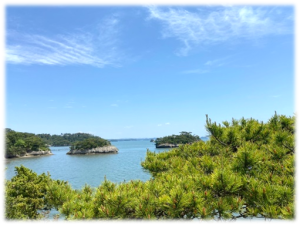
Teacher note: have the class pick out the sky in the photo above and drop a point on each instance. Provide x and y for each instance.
(146, 71)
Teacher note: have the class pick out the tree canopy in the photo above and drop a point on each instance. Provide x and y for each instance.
(183, 138)
(64, 139)
(246, 169)
(19, 143)
(89, 143)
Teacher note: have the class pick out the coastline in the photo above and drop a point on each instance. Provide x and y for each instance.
(31, 154)
(98, 150)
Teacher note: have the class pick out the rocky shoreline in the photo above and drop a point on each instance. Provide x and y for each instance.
(31, 154)
(98, 150)
(166, 145)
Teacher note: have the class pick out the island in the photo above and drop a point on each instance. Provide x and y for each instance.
(174, 141)
(93, 145)
(64, 139)
(22, 144)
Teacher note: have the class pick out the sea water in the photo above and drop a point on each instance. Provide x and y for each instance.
(79, 170)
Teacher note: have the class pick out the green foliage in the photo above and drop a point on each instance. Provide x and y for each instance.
(25, 194)
(65, 139)
(90, 143)
(246, 169)
(183, 138)
(19, 143)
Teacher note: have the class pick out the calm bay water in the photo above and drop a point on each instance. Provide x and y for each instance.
(79, 170)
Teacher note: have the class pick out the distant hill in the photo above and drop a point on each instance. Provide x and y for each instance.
(65, 139)
(130, 139)
(205, 138)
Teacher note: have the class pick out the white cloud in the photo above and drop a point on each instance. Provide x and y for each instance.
(114, 105)
(219, 24)
(96, 47)
(167, 123)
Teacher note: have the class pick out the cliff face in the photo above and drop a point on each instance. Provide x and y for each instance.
(105, 149)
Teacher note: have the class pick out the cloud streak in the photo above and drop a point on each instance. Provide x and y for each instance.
(96, 47)
(219, 62)
(211, 25)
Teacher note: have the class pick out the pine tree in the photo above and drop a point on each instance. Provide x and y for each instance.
(246, 169)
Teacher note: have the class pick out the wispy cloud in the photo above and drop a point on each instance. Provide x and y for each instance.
(219, 62)
(167, 123)
(159, 125)
(114, 105)
(212, 25)
(96, 47)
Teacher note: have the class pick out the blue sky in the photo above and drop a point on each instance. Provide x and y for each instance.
(146, 71)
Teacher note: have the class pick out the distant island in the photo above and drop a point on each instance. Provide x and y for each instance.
(92, 145)
(64, 139)
(130, 139)
(21, 144)
(176, 140)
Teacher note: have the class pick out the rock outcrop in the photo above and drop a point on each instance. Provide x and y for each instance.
(30, 154)
(166, 145)
(105, 149)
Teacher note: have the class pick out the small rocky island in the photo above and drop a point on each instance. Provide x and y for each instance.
(93, 145)
(174, 141)
(167, 145)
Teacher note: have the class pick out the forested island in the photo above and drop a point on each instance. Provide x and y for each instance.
(92, 146)
(245, 170)
(176, 140)
(22, 144)
(64, 139)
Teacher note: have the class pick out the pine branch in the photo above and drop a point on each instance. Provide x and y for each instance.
(209, 127)
(291, 150)
(219, 140)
